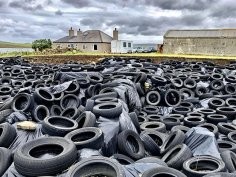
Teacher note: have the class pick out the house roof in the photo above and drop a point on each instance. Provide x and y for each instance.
(94, 36)
(205, 33)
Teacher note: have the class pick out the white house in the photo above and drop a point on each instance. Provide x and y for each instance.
(121, 46)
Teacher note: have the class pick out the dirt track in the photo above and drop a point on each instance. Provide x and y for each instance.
(59, 59)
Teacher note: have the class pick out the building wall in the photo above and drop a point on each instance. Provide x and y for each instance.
(85, 47)
(206, 46)
(121, 46)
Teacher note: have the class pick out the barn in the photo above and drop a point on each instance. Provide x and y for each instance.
(206, 42)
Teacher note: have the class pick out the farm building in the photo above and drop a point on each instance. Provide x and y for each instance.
(207, 42)
(87, 41)
(121, 46)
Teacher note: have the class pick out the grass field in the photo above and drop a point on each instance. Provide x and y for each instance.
(14, 45)
(156, 55)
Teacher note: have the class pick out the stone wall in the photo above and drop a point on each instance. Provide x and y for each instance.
(85, 47)
(205, 46)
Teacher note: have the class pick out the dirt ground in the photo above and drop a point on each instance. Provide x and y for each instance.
(60, 59)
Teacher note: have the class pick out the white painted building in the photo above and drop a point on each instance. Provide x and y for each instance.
(121, 46)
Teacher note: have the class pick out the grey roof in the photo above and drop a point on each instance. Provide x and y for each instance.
(205, 33)
(94, 36)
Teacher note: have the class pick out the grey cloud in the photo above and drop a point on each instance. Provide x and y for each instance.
(26, 5)
(78, 3)
(59, 12)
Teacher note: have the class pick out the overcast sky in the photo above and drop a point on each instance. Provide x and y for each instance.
(138, 20)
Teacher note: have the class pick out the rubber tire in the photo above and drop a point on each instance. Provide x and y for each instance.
(82, 139)
(5, 160)
(190, 121)
(152, 140)
(69, 100)
(215, 103)
(28, 165)
(26, 106)
(152, 160)
(114, 110)
(189, 172)
(150, 101)
(176, 156)
(226, 128)
(55, 110)
(157, 126)
(38, 117)
(122, 159)
(51, 129)
(229, 112)
(72, 113)
(175, 138)
(229, 158)
(163, 171)
(124, 147)
(231, 136)
(86, 119)
(4, 114)
(227, 146)
(7, 135)
(216, 118)
(96, 166)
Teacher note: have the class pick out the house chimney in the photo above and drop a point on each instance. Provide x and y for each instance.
(79, 32)
(71, 32)
(115, 34)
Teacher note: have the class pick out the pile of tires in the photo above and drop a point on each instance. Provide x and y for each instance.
(120, 117)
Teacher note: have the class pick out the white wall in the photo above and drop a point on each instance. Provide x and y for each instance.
(117, 46)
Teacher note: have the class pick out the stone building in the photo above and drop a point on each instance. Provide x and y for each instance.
(87, 41)
(206, 42)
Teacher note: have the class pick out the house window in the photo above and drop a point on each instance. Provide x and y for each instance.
(95, 47)
(129, 44)
(84, 46)
(72, 45)
(69, 45)
(124, 44)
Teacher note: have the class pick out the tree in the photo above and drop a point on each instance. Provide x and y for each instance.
(41, 44)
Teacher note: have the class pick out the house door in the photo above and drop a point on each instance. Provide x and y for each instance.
(95, 47)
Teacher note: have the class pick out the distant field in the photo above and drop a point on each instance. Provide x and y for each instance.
(14, 45)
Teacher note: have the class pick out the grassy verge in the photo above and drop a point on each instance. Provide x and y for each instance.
(32, 54)
(14, 45)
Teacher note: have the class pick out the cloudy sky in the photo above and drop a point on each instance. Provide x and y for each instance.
(138, 20)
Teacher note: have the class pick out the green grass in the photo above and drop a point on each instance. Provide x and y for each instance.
(157, 55)
(14, 45)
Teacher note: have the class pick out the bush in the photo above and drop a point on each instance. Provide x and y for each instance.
(41, 44)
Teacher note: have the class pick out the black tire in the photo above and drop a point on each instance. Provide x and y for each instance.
(175, 138)
(190, 83)
(220, 174)
(231, 102)
(186, 93)
(215, 103)
(217, 85)
(181, 128)
(151, 109)
(225, 145)
(122, 159)
(43, 96)
(22, 102)
(134, 119)
(86, 119)
(202, 165)
(4, 114)
(5, 160)
(58, 96)
(157, 126)
(181, 110)
(58, 126)
(229, 89)
(232, 136)
(27, 159)
(229, 159)
(158, 81)
(193, 121)
(89, 105)
(74, 88)
(152, 141)
(131, 144)
(95, 79)
(172, 98)
(229, 112)
(89, 137)
(186, 104)
(211, 127)
(176, 156)
(177, 83)
(163, 171)
(216, 118)
(226, 128)
(69, 101)
(195, 114)
(153, 98)
(177, 116)
(201, 90)
(108, 110)
(152, 160)
(40, 113)
(206, 112)
(7, 134)
(105, 99)
(55, 110)
(96, 166)
(72, 113)
(170, 122)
